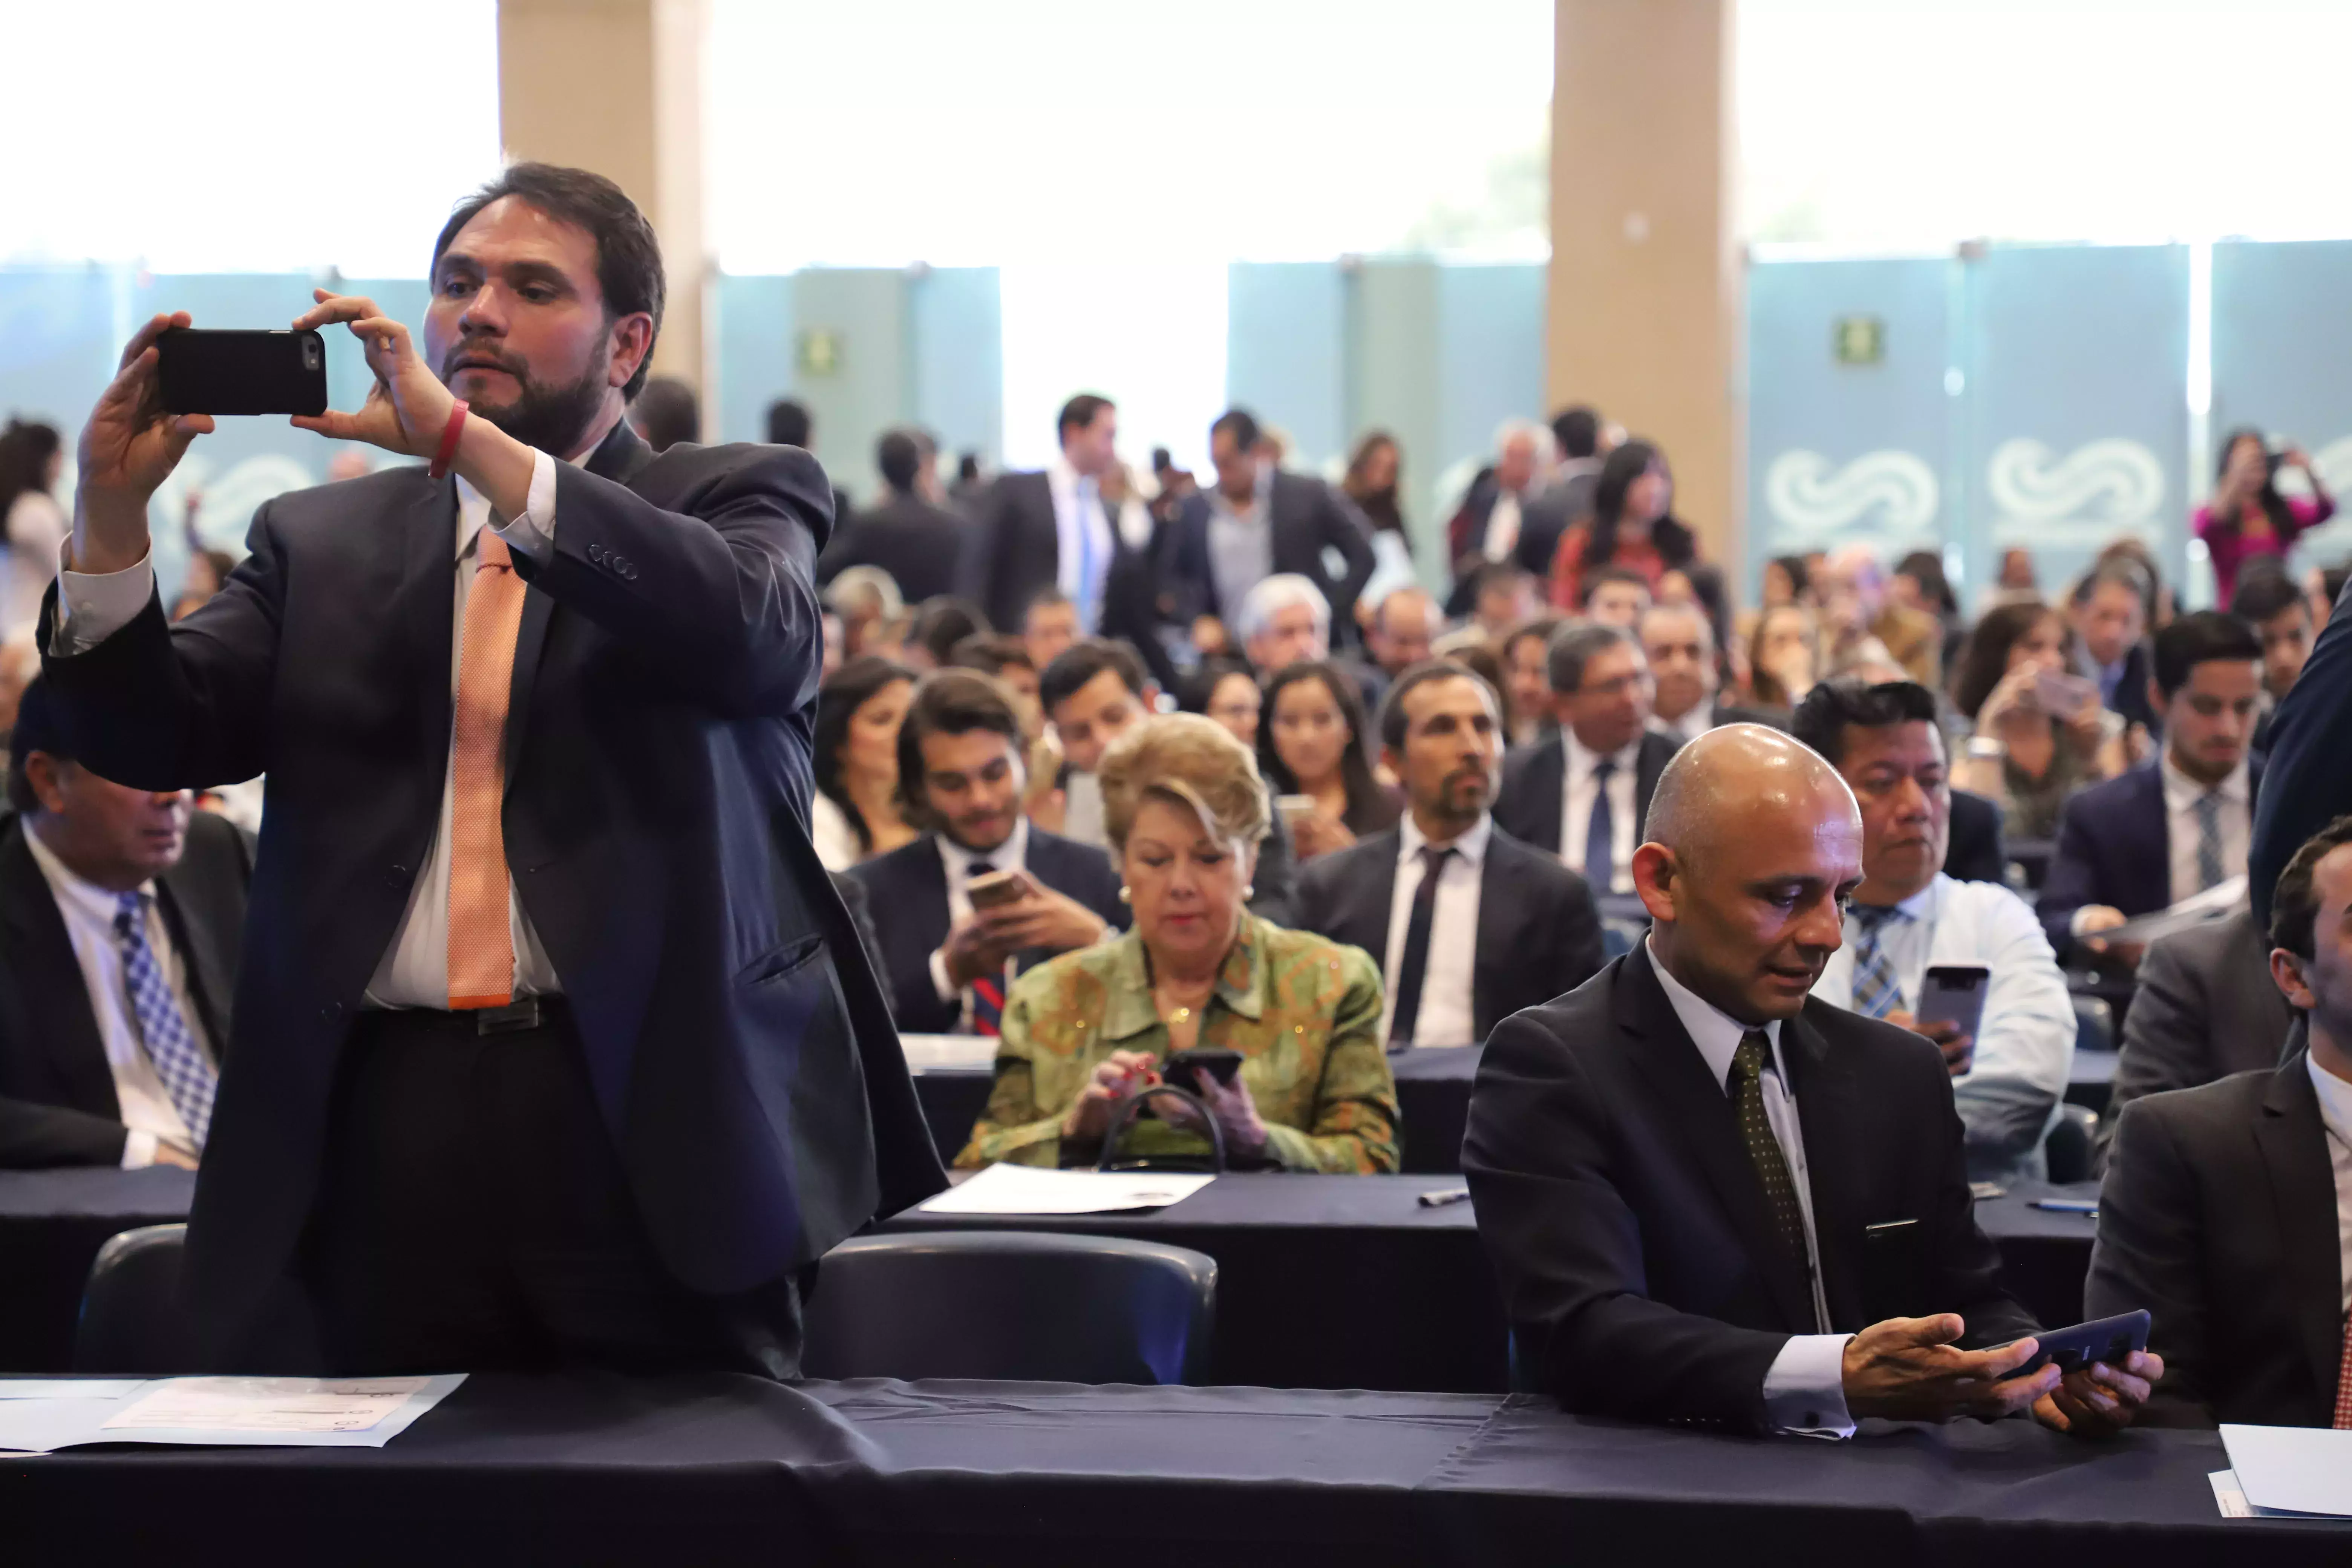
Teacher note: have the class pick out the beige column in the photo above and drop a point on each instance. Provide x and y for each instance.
(1646, 294)
(616, 85)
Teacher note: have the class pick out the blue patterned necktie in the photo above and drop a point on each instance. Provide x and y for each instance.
(2209, 839)
(1600, 832)
(171, 1045)
(1875, 991)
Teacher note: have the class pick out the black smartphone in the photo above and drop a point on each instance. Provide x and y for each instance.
(1185, 1067)
(2109, 1339)
(1954, 994)
(241, 371)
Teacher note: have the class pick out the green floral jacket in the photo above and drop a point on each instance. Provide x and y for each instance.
(1303, 1010)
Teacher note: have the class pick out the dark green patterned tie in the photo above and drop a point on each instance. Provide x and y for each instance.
(1763, 1149)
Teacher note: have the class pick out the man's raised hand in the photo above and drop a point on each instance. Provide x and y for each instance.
(407, 408)
(128, 447)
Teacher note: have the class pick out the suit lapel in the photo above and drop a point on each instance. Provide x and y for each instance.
(1545, 794)
(427, 616)
(1702, 1114)
(1499, 936)
(1829, 1113)
(2294, 1144)
(56, 1005)
(207, 968)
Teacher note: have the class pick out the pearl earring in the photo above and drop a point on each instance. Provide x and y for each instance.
(1249, 892)
(1124, 897)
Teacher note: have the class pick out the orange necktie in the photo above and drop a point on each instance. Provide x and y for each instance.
(481, 943)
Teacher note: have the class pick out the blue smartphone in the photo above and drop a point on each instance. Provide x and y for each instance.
(2109, 1339)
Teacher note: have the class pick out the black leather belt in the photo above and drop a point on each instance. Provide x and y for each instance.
(517, 1017)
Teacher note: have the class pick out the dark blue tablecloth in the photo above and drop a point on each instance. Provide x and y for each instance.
(720, 1469)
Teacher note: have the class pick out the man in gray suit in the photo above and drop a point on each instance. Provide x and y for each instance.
(2206, 1008)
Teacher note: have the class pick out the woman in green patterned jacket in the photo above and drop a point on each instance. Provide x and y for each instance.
(1185, 810)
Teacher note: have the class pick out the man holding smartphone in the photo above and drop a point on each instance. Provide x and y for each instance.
(553, 1044)
(1910, 927)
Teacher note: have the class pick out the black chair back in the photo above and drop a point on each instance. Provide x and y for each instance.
(2068, 1148)
(132, 1324)
(1018, 1306)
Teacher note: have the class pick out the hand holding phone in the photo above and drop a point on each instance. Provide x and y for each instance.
(241, 371)
(129, 446)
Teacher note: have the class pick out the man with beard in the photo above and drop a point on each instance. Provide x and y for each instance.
(1711, 1198)
(1470, 925)
(553, 1044)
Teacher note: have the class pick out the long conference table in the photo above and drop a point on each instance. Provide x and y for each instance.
(1323, 1281)
(722, 1469)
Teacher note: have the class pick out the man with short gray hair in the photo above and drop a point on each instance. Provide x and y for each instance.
(1583, 794)
(1283, 620)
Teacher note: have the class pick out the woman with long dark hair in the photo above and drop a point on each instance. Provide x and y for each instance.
(31, 458)
(1633, 525)
(1375, 469)
(858, 813)
(2247, 516)
(2036, 739)
(1314, 742)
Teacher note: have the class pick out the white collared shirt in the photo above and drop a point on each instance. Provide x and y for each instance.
(1503, 526)
(1682, 731)
(2025, 1041)
(2236, 821)
(1445, 1016)
(1576, 808)
(1013, 855)
(2335, 1115)
(1081, 536)
(88, 910)
(415, 971)
(1804, 1389)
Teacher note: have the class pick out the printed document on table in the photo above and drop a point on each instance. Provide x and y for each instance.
(2294, 1469)
(68, 1387)
(1026, 1189)
(247, 1412)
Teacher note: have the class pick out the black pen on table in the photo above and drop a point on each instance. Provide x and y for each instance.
(1444, 1195)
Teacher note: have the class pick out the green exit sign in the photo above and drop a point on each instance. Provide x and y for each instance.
(819, 351)
(1859, 339)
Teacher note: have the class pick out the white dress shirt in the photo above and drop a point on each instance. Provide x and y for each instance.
(1503, 527)
(1576, 809)
(2025, 1041)
(1682, 731)
(2335, 1115)
(832, 832)
(2236, 820)
(1445, 1017)
(1013, 855)
(415, 971)
(89, 910)
(1081, 533)
(1804, 1388)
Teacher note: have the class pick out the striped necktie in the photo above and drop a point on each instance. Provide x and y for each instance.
(1875, 991)
(180, 1062)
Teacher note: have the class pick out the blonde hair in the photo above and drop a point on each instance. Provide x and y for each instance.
(1190, 761)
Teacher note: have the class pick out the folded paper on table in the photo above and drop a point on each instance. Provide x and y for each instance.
(247, 1412)
(2291, 1470)
(2216, 902)
(1026, 1189)
(951, 1052)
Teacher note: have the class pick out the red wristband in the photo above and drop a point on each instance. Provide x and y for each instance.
(448, 452)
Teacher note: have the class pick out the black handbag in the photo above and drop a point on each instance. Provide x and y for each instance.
(1124, 1117)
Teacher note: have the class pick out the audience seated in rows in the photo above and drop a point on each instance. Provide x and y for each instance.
(1470, 924)
(1314, 745)
(945, 962)
(2221, 1210)
(1184, 812)
(1712, 1198)
(2175, 828)
(121, 925)
(1907, 916)
(1585, 797)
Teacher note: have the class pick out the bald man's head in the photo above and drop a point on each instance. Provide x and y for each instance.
(1752, 845)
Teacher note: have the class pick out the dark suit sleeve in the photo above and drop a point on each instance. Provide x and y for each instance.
(1343, 528)
(2307, 778)
(2167, 1030)
(1567, 1252)
(1575, 947)
(35, 1137)
(1518, 807)
(906, 973)
(1276, 878)
(1978, 855)
(2071, 881)
(2148, 1255)
(721, 593)
(160, 708)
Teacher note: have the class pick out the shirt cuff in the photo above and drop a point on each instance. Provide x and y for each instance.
(94, 606)
(1804, 1391)
(941, 985)
(138, 1151)
(533, 533)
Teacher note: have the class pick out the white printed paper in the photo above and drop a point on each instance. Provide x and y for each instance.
(2293, 1469)
(270, 1404)
(67, 1387)
(1026, 1189)
(951, 1052)
(2227, 1497)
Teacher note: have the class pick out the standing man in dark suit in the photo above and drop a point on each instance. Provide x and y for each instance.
(1257, 521)
(1711, 1199)
(1491, 524)
(122, 912)
(2222, 1211)
(917, 542)
(2169, 829)
(553, 1044)
(1469, 924)
(1584, 794)
(1050, 529)
(947, 964)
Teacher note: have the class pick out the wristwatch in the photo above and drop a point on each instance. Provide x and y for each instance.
(1987, 747)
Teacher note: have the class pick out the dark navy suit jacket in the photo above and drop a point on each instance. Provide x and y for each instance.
(2113, 849)
(1535, 777)
(909, 887)
(1306, 517)
(657, 788)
